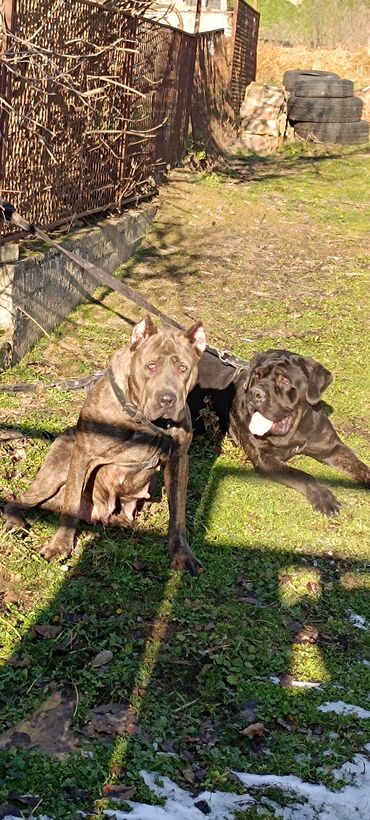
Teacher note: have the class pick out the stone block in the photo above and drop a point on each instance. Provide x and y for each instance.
(260, 144)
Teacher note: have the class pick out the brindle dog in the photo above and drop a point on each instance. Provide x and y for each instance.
(134, 420)
(272, 410)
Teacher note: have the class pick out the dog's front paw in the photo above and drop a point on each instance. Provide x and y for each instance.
(183, 558)
(55, 549)
(325, 502)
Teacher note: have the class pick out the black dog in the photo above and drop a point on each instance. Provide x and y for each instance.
(271, 408)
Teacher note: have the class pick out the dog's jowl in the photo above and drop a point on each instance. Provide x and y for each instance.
(134, 420)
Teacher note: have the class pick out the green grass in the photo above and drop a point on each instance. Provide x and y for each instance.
(328, 24)
(273, 251)
(276, 11)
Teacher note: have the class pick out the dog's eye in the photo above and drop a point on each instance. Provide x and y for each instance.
(151, 366)
(282, 381)
(182, 368)
(256, 376)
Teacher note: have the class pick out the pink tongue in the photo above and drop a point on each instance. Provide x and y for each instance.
(259, 425)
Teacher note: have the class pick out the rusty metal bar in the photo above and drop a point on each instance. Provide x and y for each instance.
(9, 18)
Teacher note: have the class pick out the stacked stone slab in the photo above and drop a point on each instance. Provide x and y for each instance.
(323, 108)
(263, 117)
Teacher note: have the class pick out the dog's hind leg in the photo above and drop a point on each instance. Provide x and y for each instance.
(47, 488)
(61, 544)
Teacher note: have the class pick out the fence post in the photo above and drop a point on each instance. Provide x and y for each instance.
(8, 23)
(233, 36)
(124, 165)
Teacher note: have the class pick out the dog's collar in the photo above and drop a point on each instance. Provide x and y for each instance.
(131, 409)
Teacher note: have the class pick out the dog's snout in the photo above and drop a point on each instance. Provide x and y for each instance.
(258, 394)
(166, 399)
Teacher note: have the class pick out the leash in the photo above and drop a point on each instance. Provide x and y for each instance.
(9, 214)
(105, 278)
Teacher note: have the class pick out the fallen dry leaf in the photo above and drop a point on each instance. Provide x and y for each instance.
(102, 658)
(114, 719)
(190, 604)
(19, 663)
(288, 724)
(308, 634)
(46, 630)
(253, 730)
(188, 775)
(10, 597)
(119, 791)
(47, 729)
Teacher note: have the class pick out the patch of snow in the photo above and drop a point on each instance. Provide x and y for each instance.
(180, 805)
(318, 801)
(298, 684)
(353, 800)
(358, 621)
(342, 708)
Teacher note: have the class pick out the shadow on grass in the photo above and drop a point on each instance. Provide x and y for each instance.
(255, 168)
(186, 654)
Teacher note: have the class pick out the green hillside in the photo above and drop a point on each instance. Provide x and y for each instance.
(330, 23)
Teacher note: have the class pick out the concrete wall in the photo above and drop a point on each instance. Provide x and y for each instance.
(40, 289)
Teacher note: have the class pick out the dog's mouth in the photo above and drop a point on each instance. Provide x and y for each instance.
(165, 423)
(259, 425)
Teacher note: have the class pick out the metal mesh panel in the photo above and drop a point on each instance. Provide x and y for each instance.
(164, 72)
(211, 106)
(100, 98)
(65, 134)
(77, 139)
(244, 51)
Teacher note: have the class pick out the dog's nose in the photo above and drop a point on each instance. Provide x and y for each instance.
(166, 399)
(258, 394)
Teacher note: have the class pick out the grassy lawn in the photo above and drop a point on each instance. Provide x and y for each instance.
(270, 253)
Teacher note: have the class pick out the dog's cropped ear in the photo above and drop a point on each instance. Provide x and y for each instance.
(319, 379)
(197, 337)
(142, 331)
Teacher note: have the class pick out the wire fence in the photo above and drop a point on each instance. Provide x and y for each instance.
(95, 99)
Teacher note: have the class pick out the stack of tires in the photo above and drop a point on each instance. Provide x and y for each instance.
(323, 108)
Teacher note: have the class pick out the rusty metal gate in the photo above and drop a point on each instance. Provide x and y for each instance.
(243, 51)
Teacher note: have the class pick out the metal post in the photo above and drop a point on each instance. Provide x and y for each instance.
(8, 20)
(197, 16)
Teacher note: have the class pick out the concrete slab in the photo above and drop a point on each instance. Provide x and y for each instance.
(39, 290)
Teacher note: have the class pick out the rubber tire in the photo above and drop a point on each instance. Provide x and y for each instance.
(313, 109)
(293, 76)
(344, 133)
(324, 87)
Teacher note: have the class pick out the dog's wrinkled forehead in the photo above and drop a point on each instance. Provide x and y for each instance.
(307, 377)
(165, 344)
(266, 364)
